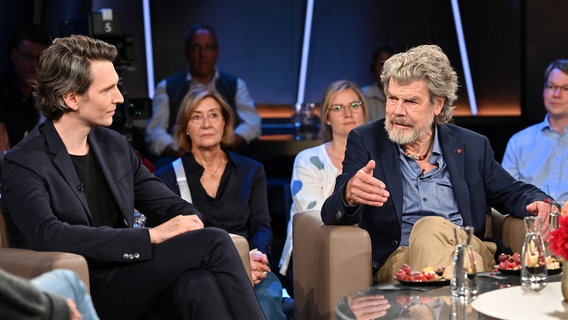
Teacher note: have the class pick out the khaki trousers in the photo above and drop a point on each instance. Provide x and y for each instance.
(432, 243)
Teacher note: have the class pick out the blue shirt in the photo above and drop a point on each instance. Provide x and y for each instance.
(429, 194)
(539, 155)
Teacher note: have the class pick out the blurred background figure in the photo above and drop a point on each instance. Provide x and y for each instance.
(18, 114)
(539, 153)
(374, 93)
(315, 169)
(228, 188)
(201, 51)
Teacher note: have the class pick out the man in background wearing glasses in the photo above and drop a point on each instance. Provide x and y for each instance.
(201, 52)
(17, 112)
(539, 153)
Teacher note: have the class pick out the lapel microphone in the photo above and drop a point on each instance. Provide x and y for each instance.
(421, 175)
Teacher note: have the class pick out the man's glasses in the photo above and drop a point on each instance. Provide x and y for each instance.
(28, 57)
(354, 106)
(553, 88)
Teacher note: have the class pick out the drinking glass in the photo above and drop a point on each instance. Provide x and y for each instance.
(533, 265)
(463, 283)
(306, 121)
(555, 213)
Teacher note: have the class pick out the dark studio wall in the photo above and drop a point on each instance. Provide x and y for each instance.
(509, 42)
(259, 41)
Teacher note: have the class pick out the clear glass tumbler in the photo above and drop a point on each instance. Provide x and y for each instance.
(533, 265)
(306, 121)
(463, 283)
(556, 207)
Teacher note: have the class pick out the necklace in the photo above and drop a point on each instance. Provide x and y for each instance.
(416, 157)
(419, 157)
(217, 169)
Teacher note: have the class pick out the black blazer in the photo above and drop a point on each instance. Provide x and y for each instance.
(47, 210)
(477, 180)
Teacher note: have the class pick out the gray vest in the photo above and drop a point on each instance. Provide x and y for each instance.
(177, 87)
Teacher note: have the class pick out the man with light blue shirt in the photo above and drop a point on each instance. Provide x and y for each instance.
(202, 51)
(411, 178)
(539, 153)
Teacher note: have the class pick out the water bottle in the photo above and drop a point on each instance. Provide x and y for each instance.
(533, 264)
(463, 283)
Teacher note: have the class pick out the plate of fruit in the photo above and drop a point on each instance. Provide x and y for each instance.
(511, 264)
(553, 265)
(426, 277)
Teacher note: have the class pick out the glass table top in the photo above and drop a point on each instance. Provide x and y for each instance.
(398, 301)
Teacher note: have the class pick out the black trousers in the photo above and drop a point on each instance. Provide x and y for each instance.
(197, 275)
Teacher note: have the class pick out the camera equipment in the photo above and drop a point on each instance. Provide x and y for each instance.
(105, 25)
(130, 117)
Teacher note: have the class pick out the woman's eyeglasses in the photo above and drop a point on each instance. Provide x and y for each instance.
(354, 106)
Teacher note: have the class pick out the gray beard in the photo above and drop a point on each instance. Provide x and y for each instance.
(403, 138)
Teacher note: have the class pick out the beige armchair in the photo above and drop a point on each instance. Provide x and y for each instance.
(333, 261)
(28, 263)
(329, 262)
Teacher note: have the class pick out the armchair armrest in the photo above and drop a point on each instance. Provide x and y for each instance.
(243, 247)
(329, 263)
(509, 229)
(28, 263)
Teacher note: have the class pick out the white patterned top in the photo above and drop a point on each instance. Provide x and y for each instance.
(313, 180)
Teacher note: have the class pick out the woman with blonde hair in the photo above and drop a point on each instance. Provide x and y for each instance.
(229, 189)
(315, 169)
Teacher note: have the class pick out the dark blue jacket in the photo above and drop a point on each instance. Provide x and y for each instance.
(478, 181)
(46, 209)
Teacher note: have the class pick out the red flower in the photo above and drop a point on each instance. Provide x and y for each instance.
(559, 238)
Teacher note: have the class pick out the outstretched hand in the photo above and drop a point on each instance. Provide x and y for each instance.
(364, 188)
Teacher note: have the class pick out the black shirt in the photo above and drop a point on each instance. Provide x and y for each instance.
(241, 203)
(103, 207)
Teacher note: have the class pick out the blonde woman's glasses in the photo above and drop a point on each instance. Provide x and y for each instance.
(338, 109)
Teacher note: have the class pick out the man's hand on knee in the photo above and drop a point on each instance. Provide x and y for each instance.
(174, 227)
